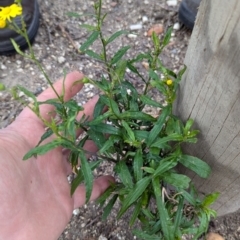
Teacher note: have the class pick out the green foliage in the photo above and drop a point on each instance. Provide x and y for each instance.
(145, 149)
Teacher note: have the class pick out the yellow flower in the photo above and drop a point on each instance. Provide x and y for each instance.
(6, 13)
(2, 23)
(169, 82)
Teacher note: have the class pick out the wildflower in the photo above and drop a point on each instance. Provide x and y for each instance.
(2, 23)
(6, 13)
(169, 82)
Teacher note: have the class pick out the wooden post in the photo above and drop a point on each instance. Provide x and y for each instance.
(210, 94)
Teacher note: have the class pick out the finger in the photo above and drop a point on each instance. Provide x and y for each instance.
(99, 187)
(71, 89)
(28, 124)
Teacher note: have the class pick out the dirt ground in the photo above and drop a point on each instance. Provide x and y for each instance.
(56, 46)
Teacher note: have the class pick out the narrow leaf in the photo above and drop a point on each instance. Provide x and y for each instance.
(165, 165)
(47, 134)
(137, 116)
(91, 39)
(93, 54)
(171, 137)
(106, 128)
(164, 217)
(167, 37)
(135, 213)
(137, 165)
(40, 150)
(87, 174)
(129, 130)
(136, 192)
(119, 54)
(195, 164)
(177, 180)
(107, 210)
(158, 125)
(124, 174)
(116, 35)
(148, 101)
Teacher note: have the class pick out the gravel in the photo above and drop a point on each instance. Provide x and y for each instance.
(56, 47)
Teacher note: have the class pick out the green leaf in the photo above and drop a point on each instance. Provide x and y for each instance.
(93, 54)
(158, 125)
(106, 128)
(136, 116)
(98, 138)
(17, 47)
(210, 199)
(164, 216)
(195, 164)
(134, 194)
(156, 41)
(91, 39)
(99, 107)
(47, 134)
(40, 150)
(100, 118)
(114, 107)
(137, 165)
(120, 70)
(188, 197)
(116, 35)
(177, 180)
(124, 174)
(135, 213)
(87, 174)
(145, 236)
(101, 200)
(179, 214)
(171, 137)
(88, 27)
(134, 70)
(119, 54)
(148, 101)
(27, 93)
(107, 210)
(165, 165)
(129, 130)
(188, 125)
(167, 37)
(79, 178)
(148, 170)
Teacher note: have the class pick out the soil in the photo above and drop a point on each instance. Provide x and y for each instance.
(56, 46)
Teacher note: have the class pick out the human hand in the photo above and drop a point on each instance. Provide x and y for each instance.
(35, 201)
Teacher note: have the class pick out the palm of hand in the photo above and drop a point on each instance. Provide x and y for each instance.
(35, 194)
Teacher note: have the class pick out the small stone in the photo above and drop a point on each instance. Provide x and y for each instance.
(113, 4)
(130, 35)
(102, 238)
(144, 19)
(18, 62)
(172, 3)
(3, 67)
(157, 28)
(76, 211)
(83, 225)
(146, 2)
(145, 65)
(61, 59)
(137, 26)
(176, 26)
(214, 236)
